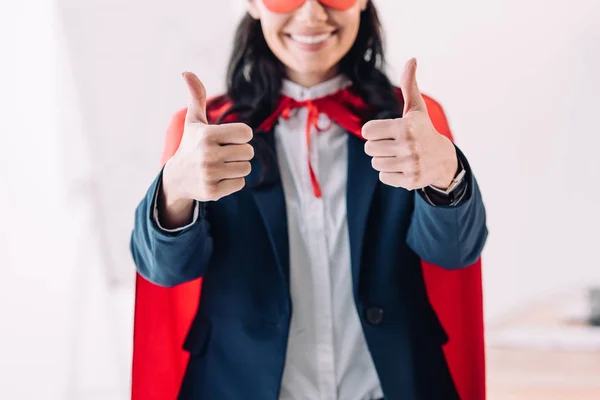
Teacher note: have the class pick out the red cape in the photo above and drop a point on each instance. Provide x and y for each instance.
(163, 315)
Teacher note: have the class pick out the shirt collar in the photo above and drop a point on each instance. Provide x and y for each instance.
(300, 93)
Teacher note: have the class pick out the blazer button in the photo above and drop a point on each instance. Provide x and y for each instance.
(374, 315)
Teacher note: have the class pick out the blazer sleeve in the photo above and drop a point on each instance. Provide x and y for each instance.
(450, 237)
(169, 258)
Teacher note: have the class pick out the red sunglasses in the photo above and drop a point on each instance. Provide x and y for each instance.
(286, 6)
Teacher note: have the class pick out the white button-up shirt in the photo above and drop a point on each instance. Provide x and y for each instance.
(327, 355)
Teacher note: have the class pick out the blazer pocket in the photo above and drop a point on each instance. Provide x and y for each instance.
(198, 337)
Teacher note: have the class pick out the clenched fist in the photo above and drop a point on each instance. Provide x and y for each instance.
(211, 161)
(408, 152)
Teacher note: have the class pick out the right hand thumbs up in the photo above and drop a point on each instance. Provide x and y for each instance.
(196, 112)
(212, 160)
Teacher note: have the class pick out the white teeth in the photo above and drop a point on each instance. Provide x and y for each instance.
(311, 39)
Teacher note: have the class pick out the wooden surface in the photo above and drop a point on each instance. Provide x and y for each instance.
(526, 374)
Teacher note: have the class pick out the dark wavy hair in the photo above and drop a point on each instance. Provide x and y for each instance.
(254, 74)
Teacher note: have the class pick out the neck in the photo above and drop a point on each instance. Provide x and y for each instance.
(310, 79)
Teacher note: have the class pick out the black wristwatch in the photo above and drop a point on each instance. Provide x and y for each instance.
(450, 196)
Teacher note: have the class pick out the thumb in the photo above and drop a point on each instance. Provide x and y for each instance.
(197, 101)
(413, 101)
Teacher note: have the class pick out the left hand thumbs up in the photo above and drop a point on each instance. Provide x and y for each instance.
(408, 152)
(413, 100)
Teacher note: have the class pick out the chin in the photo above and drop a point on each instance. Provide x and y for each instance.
(308, 69)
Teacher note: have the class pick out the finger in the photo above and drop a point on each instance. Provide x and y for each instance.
(233, 170)
(381, 148)
(229, 186)
(196, 112)
(378, 130)
(235, 133)
(413, 100)
(408, 165)
(386, 164)
(237, 152)
(399, 179)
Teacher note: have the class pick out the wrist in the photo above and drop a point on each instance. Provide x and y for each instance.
(172, 198)
(450, 167)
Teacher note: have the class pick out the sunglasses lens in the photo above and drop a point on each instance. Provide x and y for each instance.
(286, 6)
(340, 5)
(282, 6)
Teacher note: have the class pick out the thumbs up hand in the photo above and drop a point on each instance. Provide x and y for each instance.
(212, 160)
(408, 152)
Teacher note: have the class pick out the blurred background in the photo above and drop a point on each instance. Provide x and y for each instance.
(87, 89)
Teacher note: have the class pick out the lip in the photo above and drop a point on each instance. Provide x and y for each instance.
(311, 33)
(310, 46)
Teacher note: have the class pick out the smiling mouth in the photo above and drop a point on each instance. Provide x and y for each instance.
(311, 39)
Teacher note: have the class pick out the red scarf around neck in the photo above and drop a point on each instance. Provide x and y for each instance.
(340, 107)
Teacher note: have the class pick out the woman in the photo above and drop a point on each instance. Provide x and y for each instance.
(306, 205)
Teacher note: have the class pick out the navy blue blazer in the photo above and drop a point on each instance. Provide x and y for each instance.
(239, 246)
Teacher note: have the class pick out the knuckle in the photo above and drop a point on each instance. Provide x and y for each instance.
(210, 155)
(206, 138)
(414, 181)
(409, 130)
(208, 172)
(205, 165)
(413, 148)
(415, 157)
(415, 164)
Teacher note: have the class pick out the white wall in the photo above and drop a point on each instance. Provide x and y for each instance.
(519, 81)
(63, 333)
(38, 222)
(90, 91)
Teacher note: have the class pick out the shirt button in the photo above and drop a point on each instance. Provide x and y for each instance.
(374, 315)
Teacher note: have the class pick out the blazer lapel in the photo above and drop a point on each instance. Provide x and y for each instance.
(267, 191)
(362, 180)
(270, 201)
